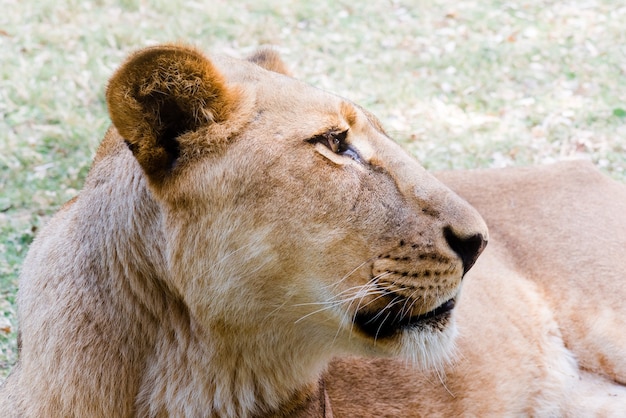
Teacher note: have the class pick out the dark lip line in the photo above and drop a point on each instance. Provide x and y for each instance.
(445, 307)
(376, 325)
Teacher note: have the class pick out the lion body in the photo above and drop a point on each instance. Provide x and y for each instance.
(239, 229)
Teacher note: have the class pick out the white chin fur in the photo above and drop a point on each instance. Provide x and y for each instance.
(426, 349)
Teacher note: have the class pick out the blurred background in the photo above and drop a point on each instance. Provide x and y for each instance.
(460, 84)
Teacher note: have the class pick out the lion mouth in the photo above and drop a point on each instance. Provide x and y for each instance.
(387, 322)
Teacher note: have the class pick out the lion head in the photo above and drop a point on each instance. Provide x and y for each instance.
(288, 208)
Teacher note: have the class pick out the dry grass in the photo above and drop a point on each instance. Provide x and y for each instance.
(461, 84)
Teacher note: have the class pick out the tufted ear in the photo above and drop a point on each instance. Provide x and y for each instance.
(270, 60)
(159, 94)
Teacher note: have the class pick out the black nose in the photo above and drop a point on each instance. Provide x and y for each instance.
(468, 247)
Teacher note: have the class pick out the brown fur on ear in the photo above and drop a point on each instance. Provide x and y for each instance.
(160, 93)
(270, 60)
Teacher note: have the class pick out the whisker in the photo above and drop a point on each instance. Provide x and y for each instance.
(356, 311)
(440, 377)
(385, 309)
(313, 313)
(409, 302)
(279, 307)
(371, 281)
(332, 304)
(380, 326)
(417, 299)
(351, 272)
(382, 294)
(349, 296)
(326, 302)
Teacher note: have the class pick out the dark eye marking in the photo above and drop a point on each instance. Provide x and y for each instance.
(337, 143)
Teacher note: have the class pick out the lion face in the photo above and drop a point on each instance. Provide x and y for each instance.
(291, 218)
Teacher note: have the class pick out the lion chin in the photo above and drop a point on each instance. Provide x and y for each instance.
(248, 245)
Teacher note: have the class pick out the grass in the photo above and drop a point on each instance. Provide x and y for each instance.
(461, 84)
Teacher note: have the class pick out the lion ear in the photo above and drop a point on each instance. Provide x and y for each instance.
(160, 93)
(270, 60)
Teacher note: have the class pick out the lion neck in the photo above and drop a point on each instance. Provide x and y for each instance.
(211, 375)
(188, 366)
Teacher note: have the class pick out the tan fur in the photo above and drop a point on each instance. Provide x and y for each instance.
(226, 247)
(270, 60)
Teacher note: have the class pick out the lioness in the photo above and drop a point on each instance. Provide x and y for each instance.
(239, 229)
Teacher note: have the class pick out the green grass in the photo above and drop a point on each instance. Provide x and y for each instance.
(460, 84)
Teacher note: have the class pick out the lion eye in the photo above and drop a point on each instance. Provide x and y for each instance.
(334, 141)
(334, 144)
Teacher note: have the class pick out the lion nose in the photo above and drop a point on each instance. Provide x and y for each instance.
(468, 248)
